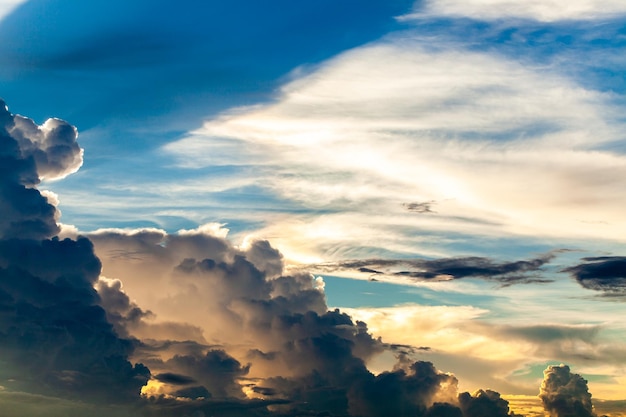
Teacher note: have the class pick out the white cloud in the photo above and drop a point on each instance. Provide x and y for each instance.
(7, 6)
(498, 148)
(542, 10)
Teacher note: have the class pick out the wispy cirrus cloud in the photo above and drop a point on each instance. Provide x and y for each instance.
(497, 147)
(542, 10)
(7, 6)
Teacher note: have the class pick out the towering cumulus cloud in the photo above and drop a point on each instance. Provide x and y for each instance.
(54, 336)
(29, 153)
(211, 328)
(565, 394)
(241, 333)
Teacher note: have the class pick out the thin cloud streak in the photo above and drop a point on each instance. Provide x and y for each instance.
(542, 10)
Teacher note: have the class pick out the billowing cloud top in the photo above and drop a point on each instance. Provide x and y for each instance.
(565, 394)
(28, 154)
(54, 335)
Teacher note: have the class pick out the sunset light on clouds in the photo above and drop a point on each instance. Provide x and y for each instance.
(312, 208)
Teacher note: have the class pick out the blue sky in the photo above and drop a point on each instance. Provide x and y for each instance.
(451, 171)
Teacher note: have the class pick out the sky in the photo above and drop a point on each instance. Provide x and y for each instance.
(334, 207)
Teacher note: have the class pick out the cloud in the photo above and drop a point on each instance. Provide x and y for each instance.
(267, 335)
(55, 337)
(277, 338)
(565, 394)
(7, 6)
(484, 403)
(474, 132)
(423, 207)
(401, 392)
(200, 325)
(506, 273)
(217, 372)
(30, 153)
(604, 273)
(542, 10)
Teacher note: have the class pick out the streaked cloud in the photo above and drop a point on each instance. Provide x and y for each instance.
(543, 10)
(7, 6)
(445, 269)
(478, 136)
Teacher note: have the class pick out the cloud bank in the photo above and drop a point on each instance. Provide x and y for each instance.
(222, 329)
(241, 337)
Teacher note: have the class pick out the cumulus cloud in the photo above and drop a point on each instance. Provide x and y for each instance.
(484, 403)
(28, 154)
(267, 335)
(54, 334)
(565, 394)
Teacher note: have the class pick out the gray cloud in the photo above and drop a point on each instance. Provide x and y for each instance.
(604, 273)
(484, 403)
(216, 371)
(175, 379)
(505, 273)
(407, 392)
(421, 207)
(276, 336)
(54, 335)
(565, 394)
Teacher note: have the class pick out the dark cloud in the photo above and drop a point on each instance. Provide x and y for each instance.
(505, 273)
(484, 403)
(216, 371)
(198, 392)
(605, 273)
(278, 340)
(266, 258)
(565, 394)
(403, 392)
(54, 335)
(174, 379)
(443, 410)
(29, 153)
